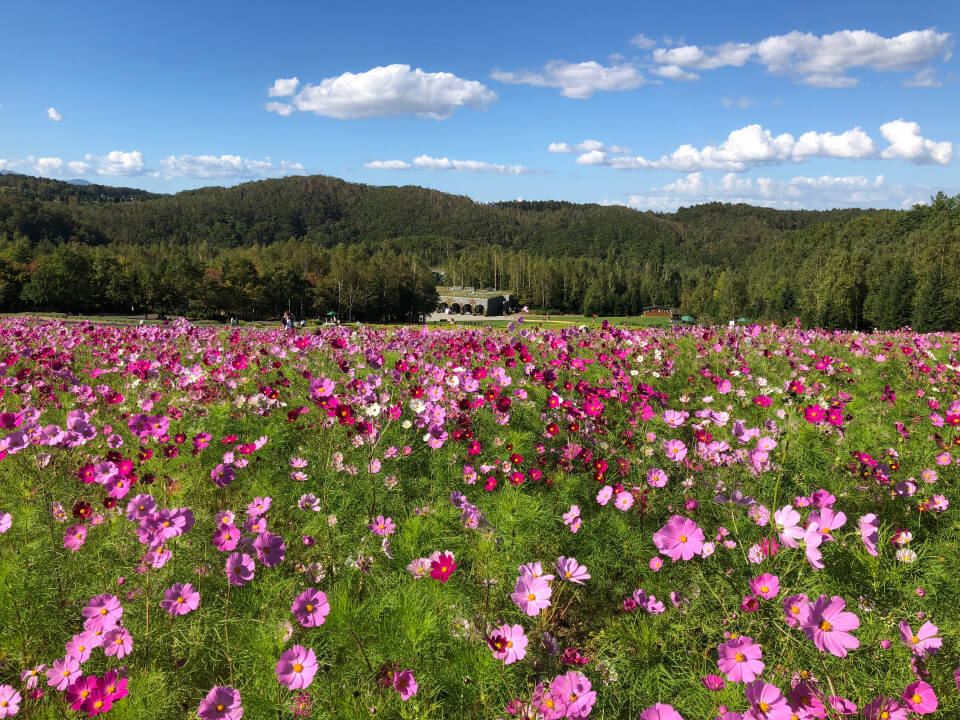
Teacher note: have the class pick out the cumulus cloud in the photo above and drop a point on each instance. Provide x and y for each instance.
(116, 162)
(577, 80)
(586, 146)
(744, 148)
(78, 167)
(387, 165)
(48, 166)
(821, 61)
(54, 115)
(907, 143)
(283, 87)
(799, 192)
(642, 41)
(426, 162)
(225, 166)
(674, 72)
(388, 91)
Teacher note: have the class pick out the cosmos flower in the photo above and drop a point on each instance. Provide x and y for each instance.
(508, 643)
(531, 594)
(296, 668)
(239, 569)
(311, 608)
(221, 703)
(828, 625)
(180, 599)
(680, 539)
(740, 659)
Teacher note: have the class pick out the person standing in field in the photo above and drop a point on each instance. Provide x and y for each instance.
(287, 321)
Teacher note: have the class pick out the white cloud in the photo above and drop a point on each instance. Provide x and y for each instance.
(744, 148)
(674, 72)
(388, 91)
(48, 166)
(117, 162)
(577, 80)
(54, 115)
(924, 78)
(642, 41)
(283, 87)
(821, 61)
(586, 146)
(78, 167)
(225, 166)
(743, 102)
(799, 192)
(425, 162)
(907, 143)
(387, 165)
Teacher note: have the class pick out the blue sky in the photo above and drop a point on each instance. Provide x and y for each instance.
(812, 105)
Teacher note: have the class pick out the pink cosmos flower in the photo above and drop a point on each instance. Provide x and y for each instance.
(787, 522)
(796, 608)
(80, 690)
(656, 478)
(766, 586)
(419, 568)
(924, 642)
(572, 692)
(259, 506)
(382, 526)
(603, 497)
(828, 626)
(660, 712)
(226, 537)
(533, 569)
(98, 702)
(117, 643)
(920, 698)
(508, 643)
(531, 594)
(442, 567)
(180, 598)
(828, 520)
(680, 538)
(63, 672)
(239, 569)
(812, 539)
(713, 682)
(296, 667)
(31, 677)
(624, 500)
(10, 700)
(675, 450)
(405, 684)
(113, 685)
(311, 608)
(569, 569)
(842, 706)
(740, 659)
(6, 521)
(82, 645)
(766, 702)
(571, 515)
(882, 708)
(75, 537)
(221, 703)
(271, 549)
(103, 612)
(869, 532)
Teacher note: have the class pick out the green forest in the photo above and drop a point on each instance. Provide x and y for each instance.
(317, 244)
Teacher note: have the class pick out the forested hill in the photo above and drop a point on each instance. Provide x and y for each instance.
(249, 249)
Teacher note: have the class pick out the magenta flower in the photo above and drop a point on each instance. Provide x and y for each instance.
(660, 712)
(680, 538)
(80, 690)
(531, 594)
(311, 608)
(75, 537)
(869, 532)
(271, 550)
(103, 612)
(675, 450)
(842, 706)
(713, 682)
(766, 702)
(508, 643)
(239, 569)
(766, 586)
(828, 520)
(786, 520)
(221, 703)
(920, 698)
(31, 677)
(81, 646)
(882, 708)
(442, 567)
(828, 625)
(405, 684)
(6, 521)
(569, 569)
(296, 668)
(572, 692)
(796, 608)
(382, 526)
(180, 598)
(924, 642)
(63, 672)
(259, 506)
(117, 643)
(10, 700)
(98, 702)
(226, 537)
(740, 659)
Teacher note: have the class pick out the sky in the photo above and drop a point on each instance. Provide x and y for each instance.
(654, 106)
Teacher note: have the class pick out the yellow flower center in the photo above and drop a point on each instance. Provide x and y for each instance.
(795, 610)
(739, 657)
(83, 694)
(297, 667)
(914, 639)
(98, 704)
(568, 574)
(220, 707)
(826, 626)
(309, 607)
(916, 699)
(66, 673)
(764, 589)
(683, 538)
(180, 600)
(443, 568)
(103, 611)
(764, 707)
(884, 715)
(531, 597)
(510, 645)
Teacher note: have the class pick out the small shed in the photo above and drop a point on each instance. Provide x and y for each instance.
(657, 311)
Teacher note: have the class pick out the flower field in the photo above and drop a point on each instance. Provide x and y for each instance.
(735, 523)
